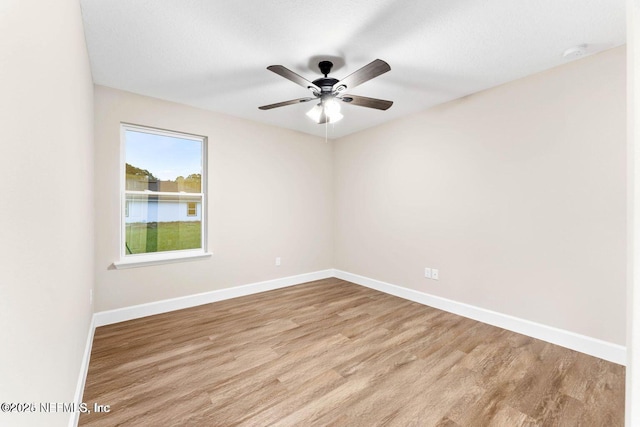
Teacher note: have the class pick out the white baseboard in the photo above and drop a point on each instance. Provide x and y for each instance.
(137, 311)
(82, 376)
(605, 350)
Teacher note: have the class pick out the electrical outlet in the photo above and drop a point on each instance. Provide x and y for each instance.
(278, 261)
(427, 273)
(435, 274)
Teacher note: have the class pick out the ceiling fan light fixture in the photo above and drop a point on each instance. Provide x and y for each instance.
(331, 109)
(314, 113)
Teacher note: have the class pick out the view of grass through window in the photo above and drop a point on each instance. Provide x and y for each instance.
(163, 236)
(163, 192)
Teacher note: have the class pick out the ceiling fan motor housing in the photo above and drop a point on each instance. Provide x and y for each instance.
(325, 83)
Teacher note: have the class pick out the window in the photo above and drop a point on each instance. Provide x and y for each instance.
(192, 209)
(163, 196)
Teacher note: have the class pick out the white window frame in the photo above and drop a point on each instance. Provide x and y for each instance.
(139, 260)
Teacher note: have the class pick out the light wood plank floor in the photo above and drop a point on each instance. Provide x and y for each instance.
(334, 353)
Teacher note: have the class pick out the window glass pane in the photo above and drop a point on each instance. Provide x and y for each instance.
(163, 195)
(162, 163)
(158, 223)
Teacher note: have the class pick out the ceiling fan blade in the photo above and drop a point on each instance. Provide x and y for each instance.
(363, 101)
(285, 103)
(288, 74)
(364, 74)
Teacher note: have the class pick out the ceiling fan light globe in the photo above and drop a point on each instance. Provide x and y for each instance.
(314, 113)
(331, 107)
(332, 112)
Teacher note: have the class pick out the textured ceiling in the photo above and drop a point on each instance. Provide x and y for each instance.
(213, 54)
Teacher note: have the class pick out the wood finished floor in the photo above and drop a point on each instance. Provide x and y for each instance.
(334, 353)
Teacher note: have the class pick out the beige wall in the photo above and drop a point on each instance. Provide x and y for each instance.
(270, 195)
(516, 194)
(46, 212)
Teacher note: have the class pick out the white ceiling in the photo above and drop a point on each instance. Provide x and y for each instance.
(213, 54)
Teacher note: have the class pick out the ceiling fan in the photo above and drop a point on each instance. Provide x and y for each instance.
(329, 90)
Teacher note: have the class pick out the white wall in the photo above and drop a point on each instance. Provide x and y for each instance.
(517, 194)
(46, 212)
(270, 195)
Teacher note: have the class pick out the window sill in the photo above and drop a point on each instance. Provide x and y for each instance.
(158, 259)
